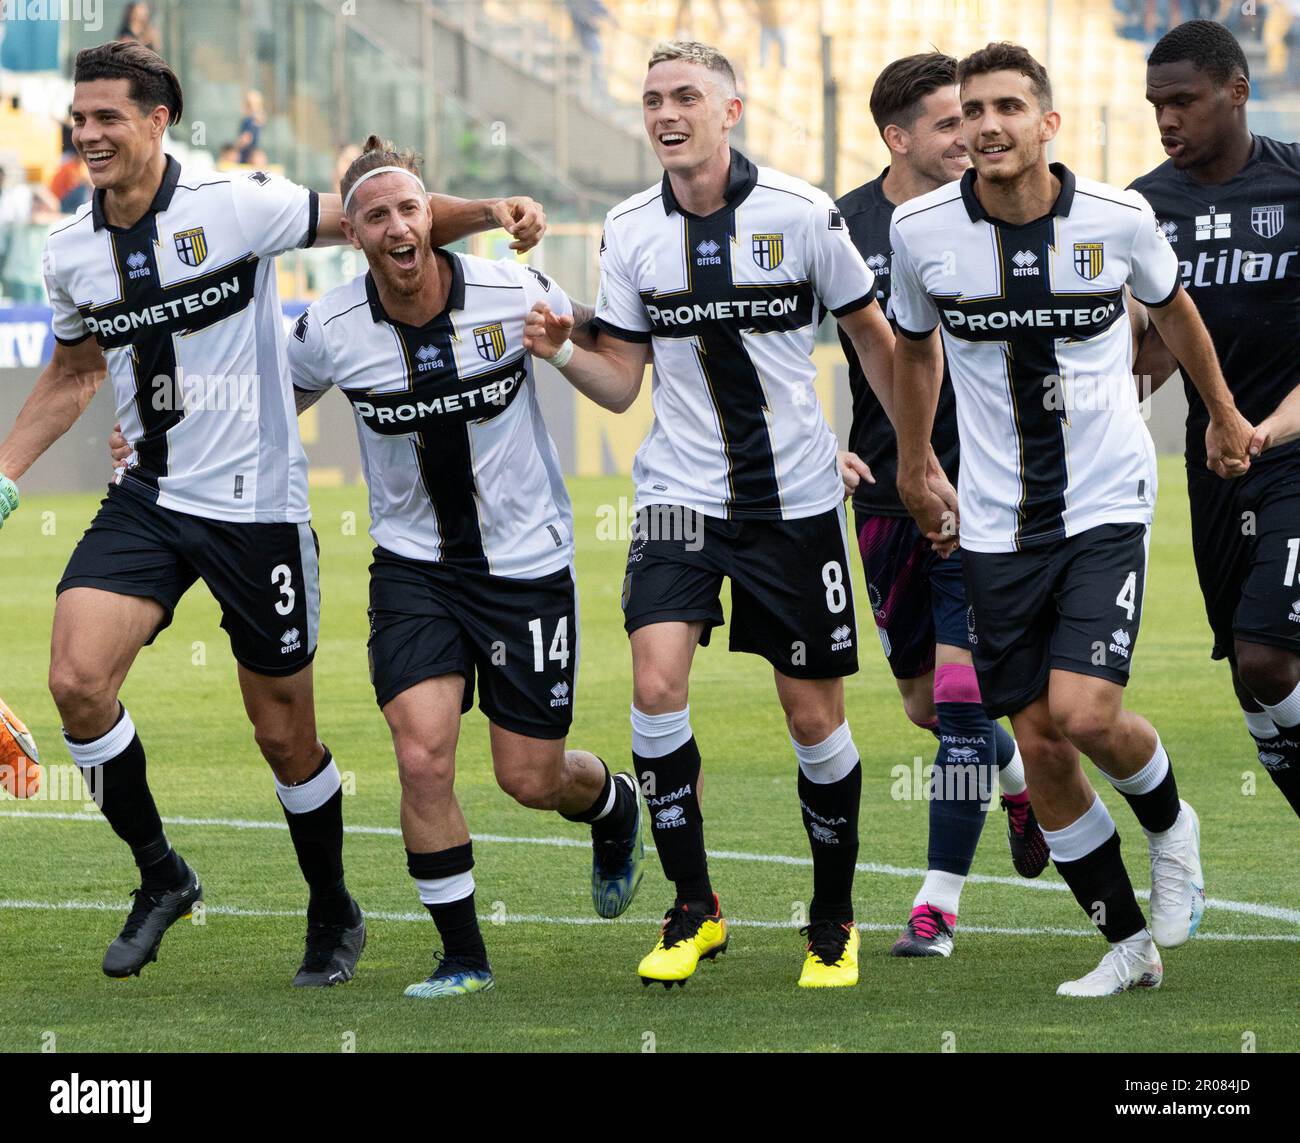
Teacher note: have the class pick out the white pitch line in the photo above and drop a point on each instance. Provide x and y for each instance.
(1248, 908)
(545, 919)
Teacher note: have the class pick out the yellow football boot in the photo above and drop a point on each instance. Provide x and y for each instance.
(832, 960)
(686, 939)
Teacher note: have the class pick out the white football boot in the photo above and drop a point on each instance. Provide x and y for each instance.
(1177, 884)
(1134, 963)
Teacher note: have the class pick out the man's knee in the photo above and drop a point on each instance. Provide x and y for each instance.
(424, 770)
(919, 708)
(534, 788)
(1269, 673)
(79, 692)
(656, 691)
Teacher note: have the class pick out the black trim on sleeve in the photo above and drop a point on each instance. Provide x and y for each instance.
(852, 307)
(916, 335)
(1178, 285)
(313, 217)
(71, 340)
(640, 336)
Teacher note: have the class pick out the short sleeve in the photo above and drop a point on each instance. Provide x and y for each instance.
(539, 287)
(620, 311)
(309, 360)
(1153, 273)
(911, 306)
(840, 278)
(275, 214)
(68, 324)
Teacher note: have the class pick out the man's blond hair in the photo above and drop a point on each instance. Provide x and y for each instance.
(692, 52)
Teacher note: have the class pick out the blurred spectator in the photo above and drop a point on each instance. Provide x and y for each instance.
(250, 128)
(228, 156)
(257, 158)
(686, 28)
(71, 183)
(21, 205)
(770, 30)
(587, 16)
(137, 24)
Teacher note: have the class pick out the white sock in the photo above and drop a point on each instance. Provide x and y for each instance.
(942, 890)
(1287, 712)
(1259, 724)
(1012, 776)
(445, 890)
(1090, 831)
(828, 761)
(1146, 779)
(654, 735)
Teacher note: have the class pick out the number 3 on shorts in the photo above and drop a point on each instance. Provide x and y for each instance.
(833, 578)
(1127, 597)
(282, 577)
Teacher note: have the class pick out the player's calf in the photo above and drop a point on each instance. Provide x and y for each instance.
(1273, 673)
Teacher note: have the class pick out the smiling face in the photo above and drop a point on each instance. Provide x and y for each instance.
(934, 144)
(115, 139)
(1195, 115)
(390, 221)
(1003, 124)
(689, 111)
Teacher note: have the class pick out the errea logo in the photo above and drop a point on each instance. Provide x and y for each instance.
(1120, 642)
(842, 638)
(670, 818)
(428, 357)
(1024, 260)
(1295, 612)
(290, 641)
(708, 253)
(137, 265)
(560, 694)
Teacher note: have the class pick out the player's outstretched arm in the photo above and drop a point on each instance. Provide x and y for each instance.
(1227, 439)
(453, 219)
(917, 377)
(610, 374)
(1280, 426)
(63, 390)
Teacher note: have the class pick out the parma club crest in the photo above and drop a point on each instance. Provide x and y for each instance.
(191, 246)
(490, 341)
(1088, 257)
(1266, 221)
(769, 249)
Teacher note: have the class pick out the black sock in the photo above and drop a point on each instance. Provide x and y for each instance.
(963, 783)
(830, 815)
(456, 921)
(1280, 757)
(677, 824)
(119, 785)
(621, 814)
(318, 840)
(1156, 810)
(1101, 885)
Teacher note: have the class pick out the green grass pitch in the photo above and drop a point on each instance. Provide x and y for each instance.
(566, 981)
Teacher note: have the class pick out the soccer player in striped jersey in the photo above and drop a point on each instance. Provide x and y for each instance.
(918, 597)
(165, 282)
(1025, 266)
(726, 267)
(1230, 204)
(473, 572)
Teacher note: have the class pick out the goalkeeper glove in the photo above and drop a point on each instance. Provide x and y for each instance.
(8, 498)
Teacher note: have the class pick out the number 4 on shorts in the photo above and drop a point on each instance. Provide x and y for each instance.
(1127, 597)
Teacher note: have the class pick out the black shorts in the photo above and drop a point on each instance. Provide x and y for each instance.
(432, 619)
(265, 577)
(791, 597)
(917, 597)
(1246, 543)
(1074, 605)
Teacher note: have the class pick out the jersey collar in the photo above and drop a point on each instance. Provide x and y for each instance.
(455, 292)
(161, 201)
(1061, 206)
(741, 179)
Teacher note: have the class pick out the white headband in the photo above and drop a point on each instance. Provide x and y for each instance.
(371, 174)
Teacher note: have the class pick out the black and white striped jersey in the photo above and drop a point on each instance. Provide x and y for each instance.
(186, 308)
(732, 302)
(459, 463)
(1038, 344)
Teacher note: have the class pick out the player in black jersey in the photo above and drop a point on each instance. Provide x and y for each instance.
(1229, 202)
(917, 597)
